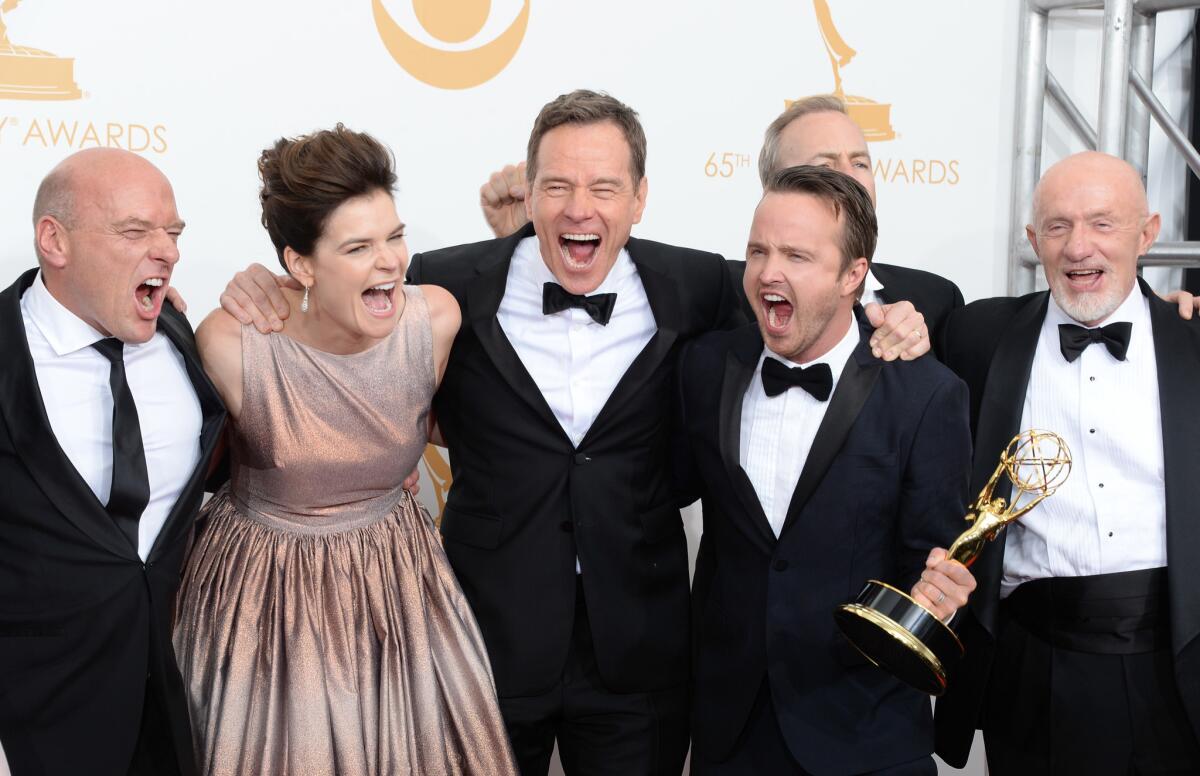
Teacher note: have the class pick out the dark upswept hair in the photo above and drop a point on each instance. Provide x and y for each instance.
(304, 179)
(583, 107)
(849, 200)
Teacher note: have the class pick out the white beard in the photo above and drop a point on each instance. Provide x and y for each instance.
(1088, 306)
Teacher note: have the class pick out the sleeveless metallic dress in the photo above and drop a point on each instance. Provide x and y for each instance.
(320, 629)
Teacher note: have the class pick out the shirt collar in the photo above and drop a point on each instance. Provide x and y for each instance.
(530, 267)
(872, 283)
(63, 330)
(837, 356)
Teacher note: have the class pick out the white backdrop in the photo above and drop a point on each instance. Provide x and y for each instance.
(200, 88)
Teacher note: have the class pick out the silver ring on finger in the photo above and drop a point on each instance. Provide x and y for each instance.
(941, 597)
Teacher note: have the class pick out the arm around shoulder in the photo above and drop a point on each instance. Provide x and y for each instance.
(219, 340)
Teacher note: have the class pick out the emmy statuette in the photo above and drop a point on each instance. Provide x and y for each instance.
(903, 637)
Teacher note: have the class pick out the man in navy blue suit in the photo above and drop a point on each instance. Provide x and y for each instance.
(821, 467)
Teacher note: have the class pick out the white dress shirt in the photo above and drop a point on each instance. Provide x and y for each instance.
(777, 432)
(575, 362)
(871, 286)
(73, 379)
(1110, 514)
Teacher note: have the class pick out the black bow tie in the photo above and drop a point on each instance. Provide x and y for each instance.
(1073, 339)
(555, 299)
(777, 377)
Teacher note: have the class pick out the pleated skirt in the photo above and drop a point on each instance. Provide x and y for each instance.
(333, 651)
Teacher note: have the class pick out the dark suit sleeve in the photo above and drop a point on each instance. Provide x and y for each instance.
(413, 276)
(684, 476)
(933, 497)
(737, 273)
(939, 323)
(731, 310)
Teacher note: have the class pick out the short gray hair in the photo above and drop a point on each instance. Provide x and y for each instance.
(55, 198)
(768, 157)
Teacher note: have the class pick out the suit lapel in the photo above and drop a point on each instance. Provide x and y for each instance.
(212, 411)
(998, 422)
(483, 301)
(663, 296)
(33, 438)
(1178, 362)
(740, 363)
(853, 387)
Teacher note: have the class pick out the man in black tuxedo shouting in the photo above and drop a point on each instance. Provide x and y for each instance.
(1083, 642)
(820, 467)
(107, 424)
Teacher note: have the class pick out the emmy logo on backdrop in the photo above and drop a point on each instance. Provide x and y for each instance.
(903, 637)
(32, 74)
(452, 22)
(874, 118)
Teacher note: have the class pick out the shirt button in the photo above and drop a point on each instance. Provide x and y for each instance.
(1102, 484)
(1110, 533)
(1091, 431)
(1092, 379)
(567, 526)
(781, 565)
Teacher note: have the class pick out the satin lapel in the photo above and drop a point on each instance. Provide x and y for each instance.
(483, 301)
(33, 438)
(663, 295)
(853, 388)
(999, 420)
(740, 362)
(212, 411)
(1178, 375)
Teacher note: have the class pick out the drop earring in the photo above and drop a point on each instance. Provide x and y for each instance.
(304, 301)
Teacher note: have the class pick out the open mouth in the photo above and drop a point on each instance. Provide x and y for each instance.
(778, 311)
(579, 249)
(1084, 279)
(379, 299)
(148, 297)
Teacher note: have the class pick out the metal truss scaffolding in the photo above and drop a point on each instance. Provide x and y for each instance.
(1127, 103)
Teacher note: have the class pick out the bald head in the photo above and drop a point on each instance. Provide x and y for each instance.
(79, 174)
(1091, 222)
(105, 230)
(1091, 169)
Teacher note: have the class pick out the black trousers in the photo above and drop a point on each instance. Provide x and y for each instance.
(1083, 682)
(154, 754)
(599, 732)
(762, 750)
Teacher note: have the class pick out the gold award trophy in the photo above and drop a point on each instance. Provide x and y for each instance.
(32, 74)
(874, 118)
(903, 637)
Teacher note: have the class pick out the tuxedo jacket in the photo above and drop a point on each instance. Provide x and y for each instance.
(934, 296)
(990, 344)
(84, 624)
(525, 501)
(884, 483)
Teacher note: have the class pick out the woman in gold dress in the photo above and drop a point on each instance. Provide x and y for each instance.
(320, 628)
